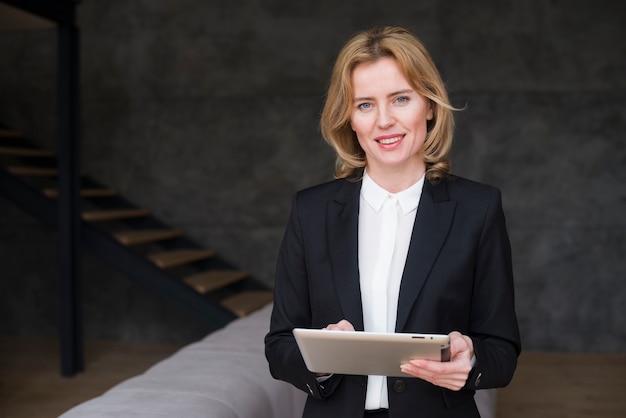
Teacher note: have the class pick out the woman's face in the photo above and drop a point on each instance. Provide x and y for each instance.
(388, 116)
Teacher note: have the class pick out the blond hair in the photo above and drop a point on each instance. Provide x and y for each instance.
(420, 71)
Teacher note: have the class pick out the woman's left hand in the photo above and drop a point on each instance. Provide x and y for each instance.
(451, 374)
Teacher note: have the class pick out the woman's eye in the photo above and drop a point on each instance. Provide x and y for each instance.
(402, 99)
(364, 106)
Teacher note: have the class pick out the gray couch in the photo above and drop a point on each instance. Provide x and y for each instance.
(225, 375)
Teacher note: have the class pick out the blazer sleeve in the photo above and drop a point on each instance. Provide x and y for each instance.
(292, 309)
(493, 325)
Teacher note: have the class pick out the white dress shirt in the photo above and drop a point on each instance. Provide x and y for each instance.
(385, 226)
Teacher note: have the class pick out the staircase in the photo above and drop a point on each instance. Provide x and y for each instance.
(156, 255)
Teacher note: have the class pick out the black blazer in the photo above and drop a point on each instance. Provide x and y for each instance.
(457, 277)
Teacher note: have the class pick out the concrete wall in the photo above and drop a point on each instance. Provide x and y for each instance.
(206, 113)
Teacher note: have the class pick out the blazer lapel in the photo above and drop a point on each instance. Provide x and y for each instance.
(432, 223)
(342, 224)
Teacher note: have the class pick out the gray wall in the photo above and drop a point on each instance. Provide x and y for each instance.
(206, 113)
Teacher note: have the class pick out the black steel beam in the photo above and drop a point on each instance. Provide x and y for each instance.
(68, 154)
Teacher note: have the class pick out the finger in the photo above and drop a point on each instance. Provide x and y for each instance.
(345, 325)
(460, 345)
(342, 325)
(451, 375)
(453, 381)
(458, 366)
(431, 366)
(457, 343)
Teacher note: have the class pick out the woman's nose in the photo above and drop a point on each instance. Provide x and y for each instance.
(385, 118)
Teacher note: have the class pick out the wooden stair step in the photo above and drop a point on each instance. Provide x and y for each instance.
(174, 258)
(211, 280)
(100, 192)
(247, 302)
(8, 133)
(109, 215)
(26, 152)
(143, 236)
(32, 171)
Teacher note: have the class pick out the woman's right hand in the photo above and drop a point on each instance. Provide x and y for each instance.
(343, 325)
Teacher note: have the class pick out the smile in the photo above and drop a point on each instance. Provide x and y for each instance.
(388, 141)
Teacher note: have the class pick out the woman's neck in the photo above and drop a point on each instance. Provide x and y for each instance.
(396, 179)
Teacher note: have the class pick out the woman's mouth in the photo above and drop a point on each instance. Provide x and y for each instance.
(389, 141)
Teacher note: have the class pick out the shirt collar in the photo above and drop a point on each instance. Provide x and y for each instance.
(375, 195)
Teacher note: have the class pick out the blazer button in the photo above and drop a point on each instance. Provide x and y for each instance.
(399, 386)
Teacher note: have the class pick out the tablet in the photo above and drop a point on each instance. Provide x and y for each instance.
(367, 353)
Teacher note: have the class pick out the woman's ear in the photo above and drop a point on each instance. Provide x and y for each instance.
(430, 116)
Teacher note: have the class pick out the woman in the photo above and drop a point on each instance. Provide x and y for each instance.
(395, 244)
